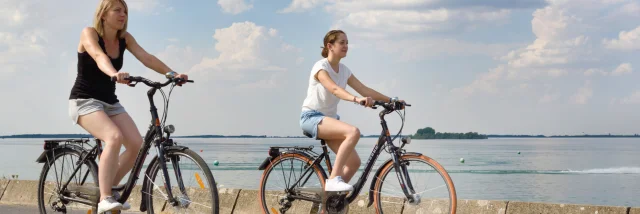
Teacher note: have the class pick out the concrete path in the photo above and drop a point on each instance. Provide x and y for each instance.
(21, 209)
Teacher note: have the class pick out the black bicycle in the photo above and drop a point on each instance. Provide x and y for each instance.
(73, 161)
(299, 188)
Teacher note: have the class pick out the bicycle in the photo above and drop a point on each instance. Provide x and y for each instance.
(87, 194)
(294, 190)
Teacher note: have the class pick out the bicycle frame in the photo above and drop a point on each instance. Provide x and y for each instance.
(383, 140)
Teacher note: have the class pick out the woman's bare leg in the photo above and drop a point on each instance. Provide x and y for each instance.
(331, 129)
(102, 127)
(132, 143)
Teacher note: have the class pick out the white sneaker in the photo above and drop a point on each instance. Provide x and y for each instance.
(126, 204)
(108, 204)
(337, 185)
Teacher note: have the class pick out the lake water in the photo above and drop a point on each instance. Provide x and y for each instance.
(600, 171)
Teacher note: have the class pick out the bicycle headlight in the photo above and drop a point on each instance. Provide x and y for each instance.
(406, 139)
(169, 129)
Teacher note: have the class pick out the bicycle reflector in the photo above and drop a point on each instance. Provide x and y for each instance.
(49, 144)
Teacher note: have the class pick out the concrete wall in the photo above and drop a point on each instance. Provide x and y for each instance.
(24, 192)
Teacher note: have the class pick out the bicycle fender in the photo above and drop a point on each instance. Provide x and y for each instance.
(44, 156)
(379, 171)
(375, 177)
(48, 154)
(265, 163)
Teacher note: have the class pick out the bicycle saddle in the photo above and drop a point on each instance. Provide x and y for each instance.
(305, 133)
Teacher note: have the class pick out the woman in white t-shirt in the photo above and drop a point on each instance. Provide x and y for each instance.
(319, 117)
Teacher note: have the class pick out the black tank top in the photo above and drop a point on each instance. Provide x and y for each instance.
(91, 82)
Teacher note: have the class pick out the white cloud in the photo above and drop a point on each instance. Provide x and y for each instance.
(626, 41)
(248, 52)
(22, 51)
(631, 99)
(414, 49)
(298, 6)
(548, 98)
(624, 68)
(147, 6)
(396, 21)
(179, 59)
(486, 82)
(234, 6)
(563, 44)
(583, 94)
(594, 71)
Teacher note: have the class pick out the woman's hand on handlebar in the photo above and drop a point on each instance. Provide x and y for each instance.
(184, 77)
(365, 101)
(121, 77)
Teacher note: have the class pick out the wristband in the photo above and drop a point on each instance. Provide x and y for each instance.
(171, 74)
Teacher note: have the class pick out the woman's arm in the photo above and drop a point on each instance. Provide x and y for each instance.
(148, 60)
(89, 41)
(366, 91)
(330, 85)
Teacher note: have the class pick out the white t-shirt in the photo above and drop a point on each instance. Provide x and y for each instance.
(318, 97)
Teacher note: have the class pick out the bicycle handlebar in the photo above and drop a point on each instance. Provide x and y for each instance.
(387, 105)
(149, 82)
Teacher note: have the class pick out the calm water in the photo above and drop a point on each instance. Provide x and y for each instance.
(602, 171)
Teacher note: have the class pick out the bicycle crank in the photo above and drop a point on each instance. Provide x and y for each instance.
(336, 203)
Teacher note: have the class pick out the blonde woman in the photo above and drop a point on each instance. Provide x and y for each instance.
(319, 117)
(93, 103)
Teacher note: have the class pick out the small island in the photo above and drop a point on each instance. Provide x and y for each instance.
(430, 133)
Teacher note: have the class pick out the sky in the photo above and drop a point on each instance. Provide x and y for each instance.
(549, 67)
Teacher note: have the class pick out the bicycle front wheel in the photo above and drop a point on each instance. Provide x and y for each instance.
(192, 185)
(426, 181)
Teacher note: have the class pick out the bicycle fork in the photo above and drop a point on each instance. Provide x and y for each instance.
(403, 175)
(165, 173)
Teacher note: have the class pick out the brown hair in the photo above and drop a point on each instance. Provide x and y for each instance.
(102, 8)
(330, 37)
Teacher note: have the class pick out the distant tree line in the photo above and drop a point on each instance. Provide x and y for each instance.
(430, 133)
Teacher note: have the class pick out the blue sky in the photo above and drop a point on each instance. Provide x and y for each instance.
(495, 67)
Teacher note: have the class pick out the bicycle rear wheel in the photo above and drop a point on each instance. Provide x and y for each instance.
(56, 172)
(275, 192)
(438, 198)
(200, 193)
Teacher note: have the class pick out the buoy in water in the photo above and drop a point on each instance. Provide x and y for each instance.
(518, 152)
(461, 160)
(216, 162)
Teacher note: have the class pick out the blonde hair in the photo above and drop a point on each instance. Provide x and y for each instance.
(102, 8)
(330, 37)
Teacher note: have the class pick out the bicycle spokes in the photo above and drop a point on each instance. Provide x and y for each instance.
(291, 185)
(419, 179)
(190, 192)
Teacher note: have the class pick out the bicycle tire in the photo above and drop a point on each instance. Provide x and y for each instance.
(443, 173)
(155, 169)
(60, 152)
(265, 175)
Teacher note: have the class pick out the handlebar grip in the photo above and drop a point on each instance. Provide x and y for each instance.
(189, 80)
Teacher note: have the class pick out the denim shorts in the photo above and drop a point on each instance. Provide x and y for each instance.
(309, 120)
